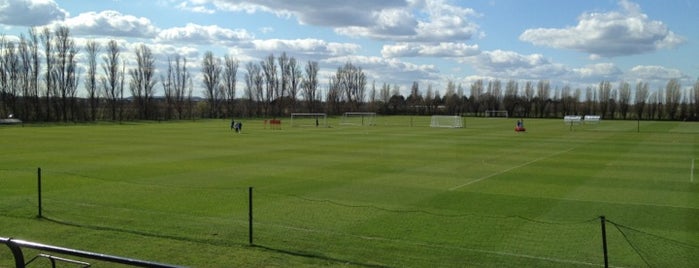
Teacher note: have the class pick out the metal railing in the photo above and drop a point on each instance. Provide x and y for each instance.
(16, 246)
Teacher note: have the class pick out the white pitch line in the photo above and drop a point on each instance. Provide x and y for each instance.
(691, 172)
(430, 245)
(507, 170)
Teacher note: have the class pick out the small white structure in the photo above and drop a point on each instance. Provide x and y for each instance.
(592, 119)
(572, 119)
(450, 121)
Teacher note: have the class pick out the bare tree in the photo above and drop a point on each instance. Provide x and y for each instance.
(230, 79)
(654, 105)
(112, 77)
(385, 94)
(452, 100)
(528, 97)
(9, 72)
(142, 84)
(211, 70)
(510, 99)
(429, 100)
(588, 106)
(494, 94)
(477, 89)
(373, 96)
(333, 97)
(271, 84)
(65, 72)
(310, 85)
(92, 49)
(624, 98)
(437, 100)
(605, 93)
(295, 78)
(415, 98)
(25, 74)
(350, 80)
(543, 94)
(47, 40)
(254, 85)
(673, 94)
(175, 86)
(640, 98)
(284, 82)
(567, 101)
(35, 66)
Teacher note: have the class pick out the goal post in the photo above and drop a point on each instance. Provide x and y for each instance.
(358, 119)
(309, 120)
(447, 121)
(497, 113)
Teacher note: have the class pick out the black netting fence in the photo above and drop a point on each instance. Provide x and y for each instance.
(657, 251)
(354, 232)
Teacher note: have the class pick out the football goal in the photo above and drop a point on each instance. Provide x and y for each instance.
(450, 121)
(358, 119)
(309, 120)
(496, 113)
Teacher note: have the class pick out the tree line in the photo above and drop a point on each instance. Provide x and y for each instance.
(538, 99)
(40, 77)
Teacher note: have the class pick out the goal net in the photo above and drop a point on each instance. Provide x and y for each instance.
(358, 119)
(309, 120)
(496, 113)
(451, 121)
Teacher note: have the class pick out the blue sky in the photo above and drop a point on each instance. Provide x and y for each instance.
(573, 43)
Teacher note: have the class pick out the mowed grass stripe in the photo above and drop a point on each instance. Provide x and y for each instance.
(365, 195)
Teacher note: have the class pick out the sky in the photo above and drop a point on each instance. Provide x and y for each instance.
(398, 42)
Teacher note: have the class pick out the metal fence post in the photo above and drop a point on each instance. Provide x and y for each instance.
(250, 215)
(604, 241)
(38, 185)
(16, 251)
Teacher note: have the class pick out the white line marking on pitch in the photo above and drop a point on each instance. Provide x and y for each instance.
(430, 245)
(691, 172)
(507, 170)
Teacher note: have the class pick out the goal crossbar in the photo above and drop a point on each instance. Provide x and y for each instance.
(497, 113)
(309, 119)
(361, 118)
(447, 121)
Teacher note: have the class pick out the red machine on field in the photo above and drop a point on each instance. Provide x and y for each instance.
(520, 126)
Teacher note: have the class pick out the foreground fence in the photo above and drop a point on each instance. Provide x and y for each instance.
(428, 237)
(16, 247)
(370, 235)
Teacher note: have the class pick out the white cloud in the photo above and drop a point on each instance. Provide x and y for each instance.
(446, 22)
(422, 21)
(388, 70)
(396, 20)
(444, 49)
(654, 72)
(30, 12)
(510, 64)
(306, 47)
(194, 7)
(199, 34)
(597, 72)
(616, 33)
(110, 23)
(313, 12)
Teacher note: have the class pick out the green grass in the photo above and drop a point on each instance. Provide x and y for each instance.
(387, 195)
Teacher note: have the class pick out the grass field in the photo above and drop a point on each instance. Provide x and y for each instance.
(390, 195)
